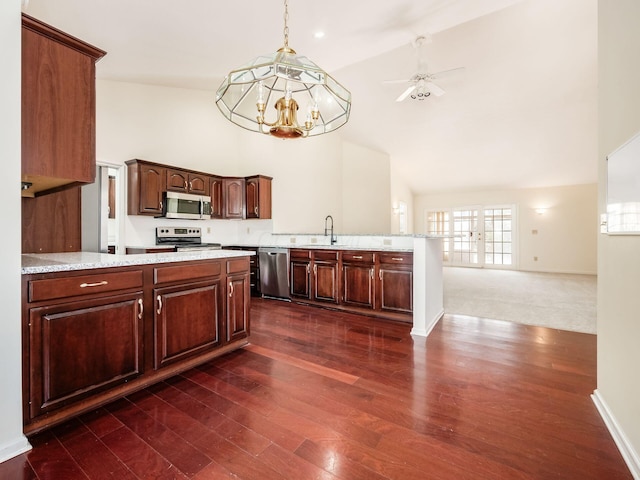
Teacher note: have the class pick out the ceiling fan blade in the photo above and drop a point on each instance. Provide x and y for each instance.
(434, 89)
(446, 73)
(406, 93)
(397, 81)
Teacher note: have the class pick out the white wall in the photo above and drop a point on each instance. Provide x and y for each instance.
(12, 442)
(366, 197)
(619, 256)
(183, 127)
(566, 233)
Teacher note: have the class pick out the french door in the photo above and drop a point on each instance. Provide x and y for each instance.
(476, 236)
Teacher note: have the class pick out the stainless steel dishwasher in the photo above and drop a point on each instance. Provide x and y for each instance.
(274, 272)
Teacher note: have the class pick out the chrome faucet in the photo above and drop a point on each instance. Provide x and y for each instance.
(333, 239)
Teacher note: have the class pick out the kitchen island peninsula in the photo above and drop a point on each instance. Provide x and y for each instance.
(96, 327)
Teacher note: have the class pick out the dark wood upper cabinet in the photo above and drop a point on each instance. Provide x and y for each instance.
(233, 193)
(58, 109)
(258, 196)
(146, 182)
(217, 204)
(231, 197)
(187, 182)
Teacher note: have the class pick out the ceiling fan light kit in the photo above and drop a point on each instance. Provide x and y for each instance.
(287, 81)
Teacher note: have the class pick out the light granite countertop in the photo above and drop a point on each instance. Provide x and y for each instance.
(61, 262)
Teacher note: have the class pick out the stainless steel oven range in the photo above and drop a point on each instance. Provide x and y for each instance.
(184, 239)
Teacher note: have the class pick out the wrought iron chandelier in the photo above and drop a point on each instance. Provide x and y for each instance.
(290, 82)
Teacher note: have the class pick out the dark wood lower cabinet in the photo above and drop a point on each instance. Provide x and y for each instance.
(79, 348)
(357, 281)
(325, 281)
(238, 293)
(102, 334)
(186, 320)
(369, 282)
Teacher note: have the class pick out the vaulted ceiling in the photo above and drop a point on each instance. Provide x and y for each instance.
(522, 113)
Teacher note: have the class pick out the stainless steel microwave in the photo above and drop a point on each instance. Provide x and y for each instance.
(186, 205)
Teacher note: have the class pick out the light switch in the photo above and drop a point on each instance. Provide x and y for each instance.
(534, 232)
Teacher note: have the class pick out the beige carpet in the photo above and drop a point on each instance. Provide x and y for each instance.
(562, 301)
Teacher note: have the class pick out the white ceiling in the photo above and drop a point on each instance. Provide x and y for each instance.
(522, 114)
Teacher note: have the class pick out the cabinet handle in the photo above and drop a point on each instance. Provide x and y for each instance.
(211, 208)
(141, 309)
(380, 275)
(397, 259)
(308, 268)
(315, 269)
(185, 185)
(160, 205)
(190, 186)
(357, 257)
(97, 284)
(371, 273)
(159, 310)
(231, 289)
(255, 210)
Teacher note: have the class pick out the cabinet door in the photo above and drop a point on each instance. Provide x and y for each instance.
(396, 289)
(187, 320)
(217, 206)
(357, 284)
(177, 180)
(238, 295)
(233, 198)
(151, 187)
(58, 107)
(199, 184)
(252, 196)
(258, 196)
(80, 348)
(300, 285)
(325, 276)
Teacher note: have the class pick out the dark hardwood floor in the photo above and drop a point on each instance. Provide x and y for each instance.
(326, 395)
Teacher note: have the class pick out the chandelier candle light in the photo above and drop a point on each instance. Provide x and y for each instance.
(290, 81)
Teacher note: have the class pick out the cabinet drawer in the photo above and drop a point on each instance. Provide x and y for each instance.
(186, 272)
(49, 289)
(358, 257)
(238, 265)
(399, 258)
(300, 254)
(323, 255)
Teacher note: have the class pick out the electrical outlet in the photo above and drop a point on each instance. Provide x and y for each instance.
(534, 232)
(248, 230)
(208, 229)
(314, 240)
(535, 259)
(386, 241)
(292, 240)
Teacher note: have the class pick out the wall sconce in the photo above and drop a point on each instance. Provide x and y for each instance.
(541, 210)
(395, 209)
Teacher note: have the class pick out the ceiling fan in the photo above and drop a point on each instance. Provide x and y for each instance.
(421, 83)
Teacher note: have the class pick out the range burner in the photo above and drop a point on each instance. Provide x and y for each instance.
(184, 239)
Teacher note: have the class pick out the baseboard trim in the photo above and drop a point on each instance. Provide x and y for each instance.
(427, 330)
(630, 456)
(14, 448)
